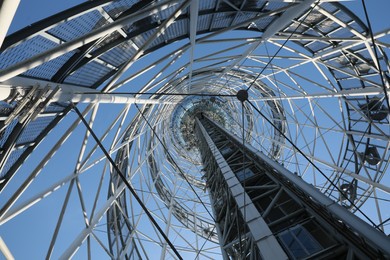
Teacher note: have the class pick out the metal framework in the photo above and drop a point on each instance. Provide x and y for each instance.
(263, 211)
(140, 72)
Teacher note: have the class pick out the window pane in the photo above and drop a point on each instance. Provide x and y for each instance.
(307, 240)
(299, 242)
(292, 244)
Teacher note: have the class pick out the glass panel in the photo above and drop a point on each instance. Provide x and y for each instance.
(299, 242)
(307, 240)
(293, 246)
(244, 174)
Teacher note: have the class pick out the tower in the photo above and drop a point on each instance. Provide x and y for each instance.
(109, 107)
(263, 211)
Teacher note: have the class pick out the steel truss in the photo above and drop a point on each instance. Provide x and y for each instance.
(139, 71)
(267, 212)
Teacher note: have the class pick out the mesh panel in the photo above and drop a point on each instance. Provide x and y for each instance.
(314, 17)
(327, 26)
(53, 108)
(117, 7)
(120, 54)
(48, 69)
(275, 5)
(108, 39)
(25, 50)
(343, 16)
(175, 30)
(331, 8)
(33, 129)
(206, 5)
(14, 156)
(264, 22)
(142, 38)
(358, 28)
(78, 26)
(204, 22)
(221, 19)
(88, 74)
(165, 13)
(316, 46)
(342, 34)
(4, 135)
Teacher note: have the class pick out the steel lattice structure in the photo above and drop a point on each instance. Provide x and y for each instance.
(263, 211)
(139, 72)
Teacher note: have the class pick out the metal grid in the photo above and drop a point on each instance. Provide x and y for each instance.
(338, 63)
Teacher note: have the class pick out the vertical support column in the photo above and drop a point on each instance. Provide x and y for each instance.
(260, 207)
(258, 231)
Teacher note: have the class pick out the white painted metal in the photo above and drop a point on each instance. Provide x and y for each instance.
(4, 92)
(301, 97)
(71, 250)
(362, 92)
(153, 37)
(74, 44)
(7, 11)
(4, 249)
(105, 98)
(377, 238)
(266, 242)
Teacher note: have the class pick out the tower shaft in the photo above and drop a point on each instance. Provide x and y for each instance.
(262, 210)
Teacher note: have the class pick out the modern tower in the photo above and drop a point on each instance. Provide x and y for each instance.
(196, 129)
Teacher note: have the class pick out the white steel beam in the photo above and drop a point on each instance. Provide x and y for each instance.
(161, 29)
(43, 31)
(4, 249)
(357, 224)
(59, 50)
(268, 246)
(75, 245)
(105, 98)
(74, 94)
(278, 24)
(15, 196)
(285, 19)
(342, 93)
(194, 9)
(7, 11)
